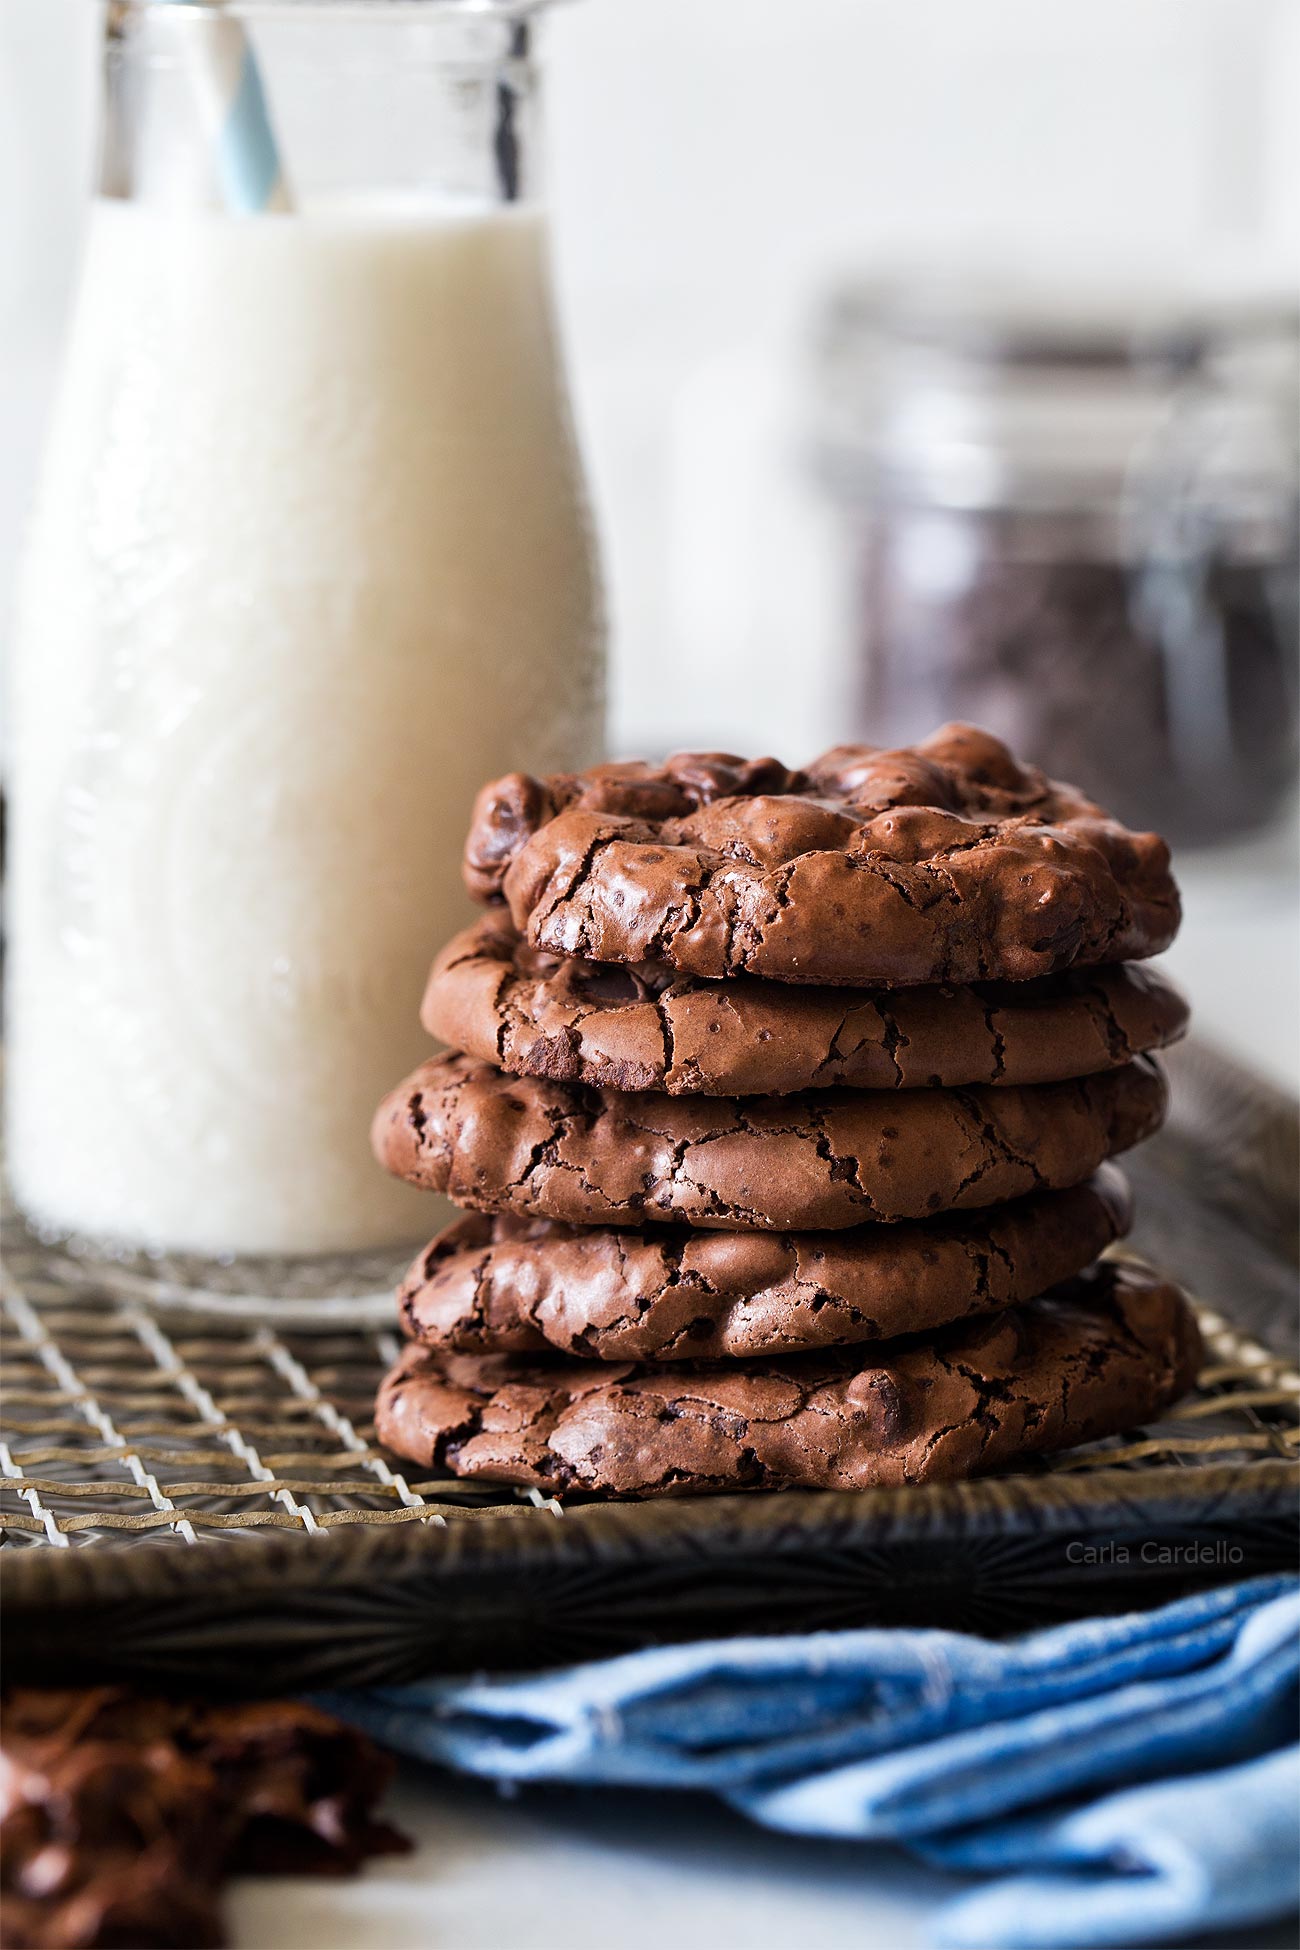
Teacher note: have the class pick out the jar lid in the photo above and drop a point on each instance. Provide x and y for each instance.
(984, 390)
(1018, 317)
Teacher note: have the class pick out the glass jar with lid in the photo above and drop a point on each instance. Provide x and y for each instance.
(1072, 517)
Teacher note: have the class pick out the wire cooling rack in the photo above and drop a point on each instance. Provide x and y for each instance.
(199, 1496)
(120, 1427)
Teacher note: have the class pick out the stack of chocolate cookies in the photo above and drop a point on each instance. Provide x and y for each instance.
(780, 1105)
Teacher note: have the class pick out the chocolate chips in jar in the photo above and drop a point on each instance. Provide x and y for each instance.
(1085, 662)
(1075, 524)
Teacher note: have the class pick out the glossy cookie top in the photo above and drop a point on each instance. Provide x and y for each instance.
(942, 862)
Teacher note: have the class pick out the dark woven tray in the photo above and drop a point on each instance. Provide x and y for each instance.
(192, 1499)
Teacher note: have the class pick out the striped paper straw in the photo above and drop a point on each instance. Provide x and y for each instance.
(231, 101)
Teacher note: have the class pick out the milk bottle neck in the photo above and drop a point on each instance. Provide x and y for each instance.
(251, 105)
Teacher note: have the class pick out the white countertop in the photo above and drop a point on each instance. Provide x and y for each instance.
(558, 1869)
(562, 1869)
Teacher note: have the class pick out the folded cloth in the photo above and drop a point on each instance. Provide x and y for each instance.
(1153, 1862)
(983, 1755)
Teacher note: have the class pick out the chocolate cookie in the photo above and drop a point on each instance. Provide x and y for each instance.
(646, 1028)
(816, 1162)
(123, 1813)
(943, 862)
(1100, 1354)
(526, 1286)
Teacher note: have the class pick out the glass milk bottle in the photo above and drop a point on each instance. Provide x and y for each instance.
(310, 560)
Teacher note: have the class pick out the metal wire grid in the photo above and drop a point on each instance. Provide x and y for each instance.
(117, 1426)
(123, 1427)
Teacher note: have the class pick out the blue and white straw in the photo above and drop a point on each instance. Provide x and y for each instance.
(231, 101)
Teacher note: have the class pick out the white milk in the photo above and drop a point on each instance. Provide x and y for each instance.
(310, 562)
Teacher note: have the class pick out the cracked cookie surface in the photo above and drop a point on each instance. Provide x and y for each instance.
(823, 1160)
(942, 862)
(647, 1028)
(1102, 1353)
(502, 1285)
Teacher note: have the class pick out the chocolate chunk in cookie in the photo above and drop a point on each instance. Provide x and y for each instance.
(501, 1285)
(822, 1160)
(943, 862)
(647, 1028)
(1100, 1354)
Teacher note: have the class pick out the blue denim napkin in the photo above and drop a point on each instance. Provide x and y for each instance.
(1126, 1779)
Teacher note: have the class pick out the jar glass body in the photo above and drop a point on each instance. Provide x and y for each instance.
(311, 559)
(1087, 544)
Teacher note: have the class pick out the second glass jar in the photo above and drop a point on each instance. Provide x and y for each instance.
(1072, 518)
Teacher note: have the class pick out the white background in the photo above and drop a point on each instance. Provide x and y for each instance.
(714, 164)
